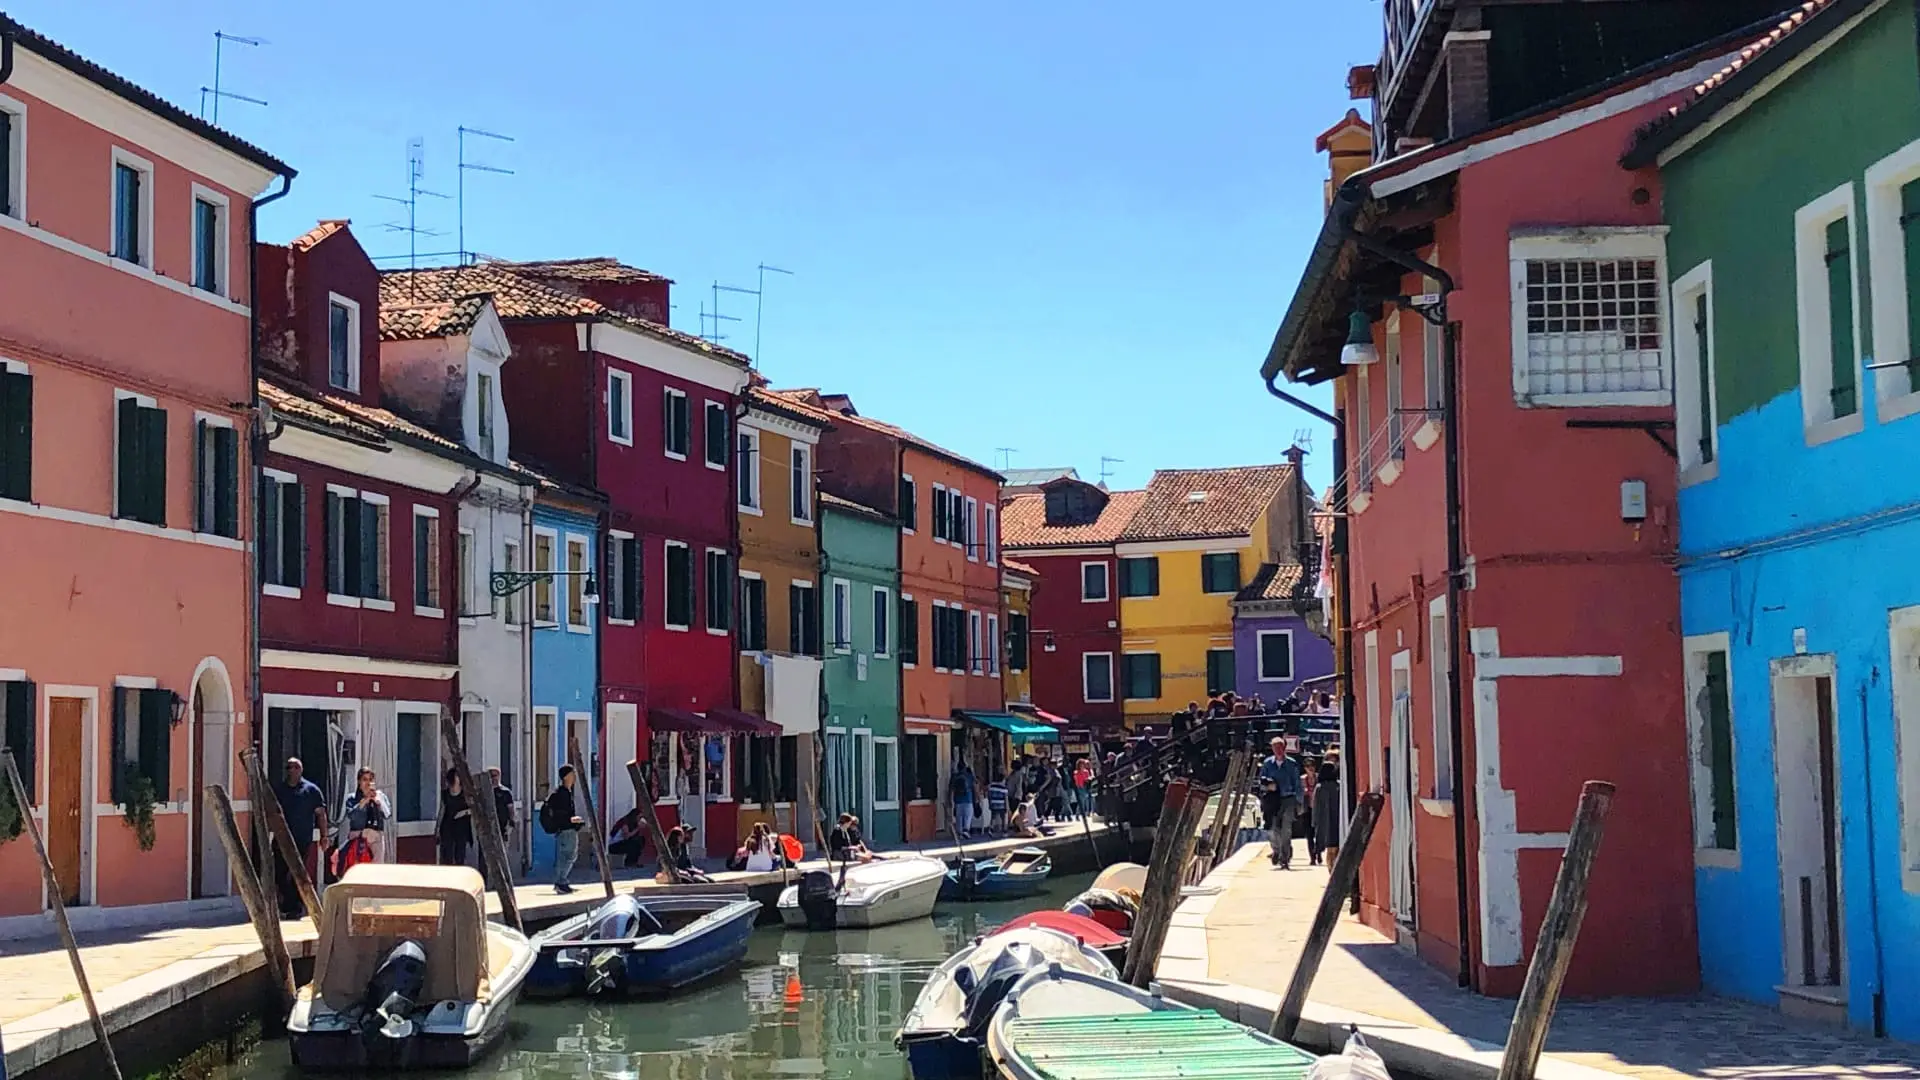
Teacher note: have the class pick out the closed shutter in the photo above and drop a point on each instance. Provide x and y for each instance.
(153, 465)
(293, 535)
(369, 549)
(631, 550)
(909, 631)
(1840, 318)
(226, 481)
(1153, 576)
(1910, 240)
(16, 433)
(1153, 675)
(202, 478)
(126, 503)
(156, 741)
(118, 754)
(20, 732)
(795, 597)
(1720, 750)
(348, 544)
(266, 529)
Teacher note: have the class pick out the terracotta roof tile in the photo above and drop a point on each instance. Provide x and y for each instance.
(1273, 581)
(1790, 21)
(759, 397)
(1019, 567)
(354, 418)
(593, 268)
(411, 322)
(314, 411)
(829, 499)
(815, 399)
(1023, 522)
(1199, 503)
(306, 240)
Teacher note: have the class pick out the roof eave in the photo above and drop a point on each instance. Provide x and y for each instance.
(1336, 232)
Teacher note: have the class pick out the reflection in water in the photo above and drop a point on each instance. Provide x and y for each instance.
(801, 1005)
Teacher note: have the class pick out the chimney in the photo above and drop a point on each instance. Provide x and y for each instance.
(1349, 148)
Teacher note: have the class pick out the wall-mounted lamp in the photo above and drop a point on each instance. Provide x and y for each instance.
(1359, 350)
(179, 706)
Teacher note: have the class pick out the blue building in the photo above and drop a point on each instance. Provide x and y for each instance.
(563, 618)
(1791, 185)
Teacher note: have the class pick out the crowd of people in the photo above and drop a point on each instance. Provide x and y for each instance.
(1022, 799)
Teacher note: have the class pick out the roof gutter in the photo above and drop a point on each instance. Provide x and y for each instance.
(1335, 233)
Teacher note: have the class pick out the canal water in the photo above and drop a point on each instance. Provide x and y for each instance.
(801, 1006)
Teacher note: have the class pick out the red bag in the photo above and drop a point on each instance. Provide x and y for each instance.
(355, 852)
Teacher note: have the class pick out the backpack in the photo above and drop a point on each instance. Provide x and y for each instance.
(550, 817)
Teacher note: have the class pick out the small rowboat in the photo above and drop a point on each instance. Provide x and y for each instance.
(942, 1035)
(1068, 1025)
(626, 946)
(1125, 875)
(1019, 873)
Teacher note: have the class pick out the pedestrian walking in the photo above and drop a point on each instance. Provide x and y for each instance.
(305, 810)
(1309, 776)
(960, 791)
(1326, 809)
(1280, 793)
(559, 817)
(363, 824)
(997, 805)
(453, 831)
(503, 816)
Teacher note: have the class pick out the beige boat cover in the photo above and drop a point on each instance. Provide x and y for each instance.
(378, 905)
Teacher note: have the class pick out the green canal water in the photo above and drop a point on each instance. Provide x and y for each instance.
(801, 1006)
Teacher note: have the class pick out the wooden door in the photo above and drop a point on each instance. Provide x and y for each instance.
(65, 770)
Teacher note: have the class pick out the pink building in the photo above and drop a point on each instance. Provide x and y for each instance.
(125, 419)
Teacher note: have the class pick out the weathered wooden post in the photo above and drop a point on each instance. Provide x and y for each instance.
(1180, 817)
(266, 919)
(1236, 779)
(480, 799)
(1558, 931)
(268, 807)
(651, 820)
(25, 808)
(1346, 870)
(591, 817)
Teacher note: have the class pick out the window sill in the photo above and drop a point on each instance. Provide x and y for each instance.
(1890, 409)
(1098, 700)
(919, 802)
(879, 805)
(1827, 431)
(284, 592)
(429, 612)
(1390, 472)
(513, 628)
(808, 522)
(907, 532)
(718, 633)
(909, 665)
(372, 604)
(678, 629)
(1425, 435)
(620, 622)
(1700, 474)
(469, 620)
(618, 441)
(1722, 859)
(1438, 807)
(717, 466)
(541, 625)
(1359, 503)
(337, 600)
(1093, 599)
(753, 510)
(579, 628)
(879, 656)
(1637, 398)
(671, 456)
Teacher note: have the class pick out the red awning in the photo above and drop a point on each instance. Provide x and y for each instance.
(745, 722)
(1042, 714)
(682, 720)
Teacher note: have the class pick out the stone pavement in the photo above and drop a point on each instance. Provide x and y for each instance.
(1257, 923)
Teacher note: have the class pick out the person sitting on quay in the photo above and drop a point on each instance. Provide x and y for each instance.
(680, 853)
(1027, 820)
(627, 839)
(845, 844)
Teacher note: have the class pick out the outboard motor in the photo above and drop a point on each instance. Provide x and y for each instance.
(969, 874)
(818, 900)
(395, 989)
(623, 917)
(1013, 964)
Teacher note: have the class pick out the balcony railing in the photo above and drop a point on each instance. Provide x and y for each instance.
(1406, 21)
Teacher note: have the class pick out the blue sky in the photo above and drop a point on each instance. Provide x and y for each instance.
(1066, 227)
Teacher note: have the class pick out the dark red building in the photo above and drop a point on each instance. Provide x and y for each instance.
(1066, 532)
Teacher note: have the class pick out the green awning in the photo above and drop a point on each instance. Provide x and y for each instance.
(1022, 731)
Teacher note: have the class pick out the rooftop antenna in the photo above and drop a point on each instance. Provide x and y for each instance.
(416, 170)
(460, 195)
(716, 319)
(1303, 440)
(759, 306)
(1006, 455)
(717, 290)
(1105, 471)
(211, 95)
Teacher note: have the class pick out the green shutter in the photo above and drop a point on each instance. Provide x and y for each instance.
(126, 502)
(226, 481)
(21, 731)
(1153, 674)
(293, 535)
(202, 480)
(117, 752)
(153, 471)
(1840, 318)
(1705, 357)
(1910, 241)
(156, 741)
(1719, 734)
(369, 550)
(266, 531)
(16, 433)
(1220, 671)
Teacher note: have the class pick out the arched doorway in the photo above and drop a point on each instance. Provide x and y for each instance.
(212, 717)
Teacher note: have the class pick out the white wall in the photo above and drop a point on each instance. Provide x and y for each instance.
(492, 656)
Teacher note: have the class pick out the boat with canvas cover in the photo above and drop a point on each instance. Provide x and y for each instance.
(1019, 873)
(942, 1035)
(889, 890)
(1090, 932)
(630, 946)
(408, 973)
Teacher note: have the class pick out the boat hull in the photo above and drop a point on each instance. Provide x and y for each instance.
(911, 899)
(993, 885)
(355, 1051)
(944, 1057)
(652, 966)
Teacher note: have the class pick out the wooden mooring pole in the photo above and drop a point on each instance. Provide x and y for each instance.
(1236, 779)
(480, 800)
(1553, 951)
(591, 817)
(25, 808)
(260, 909)
(268, 807)
(1346, 870)
(651, 819)
(1180, 819)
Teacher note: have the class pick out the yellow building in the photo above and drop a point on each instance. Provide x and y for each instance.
(1016, 597)
(1199, 535)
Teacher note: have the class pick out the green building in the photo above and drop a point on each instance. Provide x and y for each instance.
(860, 576)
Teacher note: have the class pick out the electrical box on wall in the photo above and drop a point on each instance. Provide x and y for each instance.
(1633, 500)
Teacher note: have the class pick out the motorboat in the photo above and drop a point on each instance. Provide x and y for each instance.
(943, 1034)
(631, 946)
(1123, 875)
(1061, 1024)
(1115, 909)
(887, 890)
(1019, 873)
(409, 974)
(1095, 935)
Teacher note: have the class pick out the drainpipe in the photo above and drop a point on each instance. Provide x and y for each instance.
(257, 437)
(6, 47)
(1878, 989)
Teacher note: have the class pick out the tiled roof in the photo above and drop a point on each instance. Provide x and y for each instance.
(759, 397)
(1023, 522)
(1273, 581)
(1200, 503)
(410, 322)
(365, 422)
(815, 399)
(144, 98)
(828, 499)
(1019, 567)
(326, 228)
(315, 411)
(594, 268)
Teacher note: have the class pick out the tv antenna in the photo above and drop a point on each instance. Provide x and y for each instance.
(211, 95)
(1303, 440)
(759, 305)
(1105, 471)
(1006, 455)
(416, 170)
(717, 290)
(460, 192)
(715, 318)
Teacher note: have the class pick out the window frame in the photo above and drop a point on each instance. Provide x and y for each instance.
(1444, 786)
(800, 483)
(544, 575)
(881, 598)
(281, 481)
(942, 512)
(1689, 397)
(939, 637)
(618, 544)
(722, 596)
(992, 643)
(204, 445)
(1206, 586)
(1696, 651)
(352, 308)
(667, 590)
(1896, 387)
(668, 395)
(429, 776)
(1260, 656)
(1086, 685)
(889, 745)
(842, 619)
(1588, 243)
(13, 201)
(1813, 311)
(576, 583)
(1126, 675)
(810, 628)
(749, 635)
(222, 239)
(127, 158)
(910, 510)
(1233, 663)
(1106, 584)
(1153, 576)
(747, 453)
(433, 571)
(624, 415)
(707, 410)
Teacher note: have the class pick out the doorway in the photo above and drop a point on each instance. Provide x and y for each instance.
(1401, 783)
(66, 789)
(1807, 784)
(623, 735)
(212, 763)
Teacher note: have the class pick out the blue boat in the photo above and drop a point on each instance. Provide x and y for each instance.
(1019, 873)
(627, 946)
(943, 1035)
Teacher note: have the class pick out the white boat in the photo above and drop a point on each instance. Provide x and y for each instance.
(889, 890)
(1124, 875)
(409, 973)
(942, 1036)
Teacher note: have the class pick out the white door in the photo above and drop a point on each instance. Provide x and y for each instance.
(623, 734)
(1402, 781)
(216, 751)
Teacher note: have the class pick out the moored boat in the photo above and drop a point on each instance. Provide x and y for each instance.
(408, 974)
(1123, 875)
(1089, 932)
(631, 946)
(1019, 873)
(942, 1035)
(853, 895)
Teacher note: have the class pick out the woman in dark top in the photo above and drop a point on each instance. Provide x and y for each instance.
(1326, 809)
(363, 824)
(454, 830)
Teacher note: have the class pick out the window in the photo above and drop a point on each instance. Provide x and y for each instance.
(714, 430)
(510, 562)
(19, 728)
(993, 644)
(343, 343)
(909, 504)
(483, 413)
(920, 767)
(976, 652)
(578, 561)
(1893, 246)
(621, 591)
(680, 586)
(679, 424)
(842, 640)
(209, 241)
(1140, 576)
(1220, 671)
(886, 772)
(803, 619)
(1017, 641)
(1440, 653)
(749, 472)
(1141, 676)
(950, 638)
(142, 741)
(1588, 324)
(1433, 353)
(416, 785)
(16, 430)
(13, 142)
(1694, 383)
(216, 477)
(280, 535)
(465, 602)
(1362, 421)
(1710, 731)
(660, 759)
(882, 620)
(132, 209)
(1828, 315)
(1276, 655)
(544, 542)
(141, 476)
(753, 613)
(1395, 377)
(909, 631)
(508, 722)
(1093, 582)
(426, 561)
(972, 534)
(620, 409)
(992, 537)
(1096, 677)
(719, 597)
(940, 511)
(1220, 572)
(801, 482)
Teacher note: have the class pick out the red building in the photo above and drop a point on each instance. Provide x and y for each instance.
(1066, 532)
(604, 395)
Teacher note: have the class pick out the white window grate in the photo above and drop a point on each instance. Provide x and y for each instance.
(1593, 326)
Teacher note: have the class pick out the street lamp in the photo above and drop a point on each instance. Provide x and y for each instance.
(507, 582)
(1359, 350)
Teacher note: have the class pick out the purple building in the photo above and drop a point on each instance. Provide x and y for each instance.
(1274, 650)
